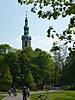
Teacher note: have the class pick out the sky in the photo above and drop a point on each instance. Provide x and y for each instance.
(12, 21)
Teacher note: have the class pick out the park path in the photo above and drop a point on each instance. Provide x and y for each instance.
(18, 97)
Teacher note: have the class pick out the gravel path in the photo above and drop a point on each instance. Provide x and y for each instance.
(18, 97)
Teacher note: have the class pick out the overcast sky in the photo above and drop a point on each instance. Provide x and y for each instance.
(12, 20)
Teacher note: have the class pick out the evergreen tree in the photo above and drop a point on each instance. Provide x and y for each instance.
(30, 80)
(5, 80)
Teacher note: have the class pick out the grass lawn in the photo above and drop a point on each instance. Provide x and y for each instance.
(1, 97)
(64, 95)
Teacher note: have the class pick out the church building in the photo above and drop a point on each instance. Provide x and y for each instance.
(26, 39)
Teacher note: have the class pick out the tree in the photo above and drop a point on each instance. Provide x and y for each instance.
(30, 80)
(59, 55)
(25, 57)
(69, 70)
(48, 9)
(45, 65)
(5, 79)
(11, 60)
(4, 48)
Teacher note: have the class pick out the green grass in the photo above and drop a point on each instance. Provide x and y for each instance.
(1, 97)
(64, 95)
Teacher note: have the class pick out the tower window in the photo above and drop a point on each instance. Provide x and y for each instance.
(25, 43)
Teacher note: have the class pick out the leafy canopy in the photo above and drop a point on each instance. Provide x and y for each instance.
(48, 9)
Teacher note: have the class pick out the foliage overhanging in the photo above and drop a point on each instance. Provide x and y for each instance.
(55, 8)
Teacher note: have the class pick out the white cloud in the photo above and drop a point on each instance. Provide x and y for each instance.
(42, 42)
(18, 38)
(17, 43)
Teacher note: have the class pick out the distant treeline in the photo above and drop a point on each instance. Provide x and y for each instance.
(31, 67)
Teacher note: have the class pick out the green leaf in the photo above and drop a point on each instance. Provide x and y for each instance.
(52, 36)
(69, 48)
(40, 13)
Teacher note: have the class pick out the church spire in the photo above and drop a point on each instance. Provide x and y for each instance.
(26, 20)
(26, 28)
(26, 39)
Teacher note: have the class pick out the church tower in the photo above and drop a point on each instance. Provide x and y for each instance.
(26, 39)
